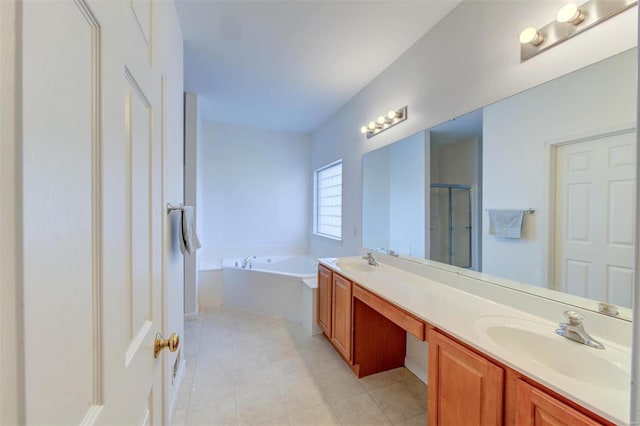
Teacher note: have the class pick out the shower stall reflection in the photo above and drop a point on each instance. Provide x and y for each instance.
(451, 224)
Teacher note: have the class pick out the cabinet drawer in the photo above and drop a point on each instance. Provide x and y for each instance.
(391, 312)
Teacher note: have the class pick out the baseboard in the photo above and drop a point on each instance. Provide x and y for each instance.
(178, 384)
(413, 367)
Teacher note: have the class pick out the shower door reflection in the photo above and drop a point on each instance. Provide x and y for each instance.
(451, 224)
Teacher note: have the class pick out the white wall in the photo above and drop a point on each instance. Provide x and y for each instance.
(406, 196)
(375, 199)
(517, 133)
(191, 165)
(470, 59)
(256, 193)
(11, 350)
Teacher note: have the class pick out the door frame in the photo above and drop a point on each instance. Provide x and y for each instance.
(11, 312)
(549, 268)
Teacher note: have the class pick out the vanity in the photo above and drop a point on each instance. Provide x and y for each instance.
(489, 363)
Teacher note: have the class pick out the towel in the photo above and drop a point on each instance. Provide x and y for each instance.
(506, 223)
(189, 242)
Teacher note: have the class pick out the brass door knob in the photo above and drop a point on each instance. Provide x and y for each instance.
(172, 343)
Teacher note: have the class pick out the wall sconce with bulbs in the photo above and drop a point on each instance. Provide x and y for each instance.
(384, 122)
(570, 20)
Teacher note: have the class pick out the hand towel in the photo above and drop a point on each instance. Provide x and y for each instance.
(506, 223)
(189, 242)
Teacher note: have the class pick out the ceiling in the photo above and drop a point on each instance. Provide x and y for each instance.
(290, 65)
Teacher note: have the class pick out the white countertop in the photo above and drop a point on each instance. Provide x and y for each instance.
(457, 313)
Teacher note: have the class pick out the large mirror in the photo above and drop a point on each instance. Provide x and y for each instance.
(535, 192)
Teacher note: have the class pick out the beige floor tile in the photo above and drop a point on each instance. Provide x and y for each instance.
(259, 405)
(402, 373)
(292, 368)
(255, 376)
(324, 364)
(184, 393)
(205, 389)
(321, 415)
(214, 362)
(417, 388)
(278, 350)
(280, 421)
(179, 417)
(252, 358)
(397, 403)
(300, 394)
(221, 412)
(379, 380)
(420, 420)
(338, 385)
(359, 410)
(248, 345)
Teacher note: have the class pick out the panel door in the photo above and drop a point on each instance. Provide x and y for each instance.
(464, 387)
(535, 407)
(91, 206)
(595, 207)
(341, 315)
(324, 299)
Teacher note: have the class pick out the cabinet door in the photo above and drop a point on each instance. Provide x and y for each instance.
(324, 299)
(341, 316)
(464, 387)
(536, 407)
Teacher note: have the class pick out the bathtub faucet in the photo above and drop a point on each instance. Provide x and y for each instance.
(245, 261)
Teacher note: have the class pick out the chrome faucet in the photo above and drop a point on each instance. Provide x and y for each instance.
(574, 330)
(370, 259)
(389, 252)
(245, 261)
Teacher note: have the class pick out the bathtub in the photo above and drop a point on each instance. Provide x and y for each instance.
(271, 285)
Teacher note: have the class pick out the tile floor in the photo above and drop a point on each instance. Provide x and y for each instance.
(249, 369)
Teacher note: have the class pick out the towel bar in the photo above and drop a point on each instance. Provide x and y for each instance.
(171, 208)
(527, 211)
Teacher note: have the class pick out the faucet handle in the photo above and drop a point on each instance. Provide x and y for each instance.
(575, 318)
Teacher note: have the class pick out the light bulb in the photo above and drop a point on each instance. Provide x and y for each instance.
(570, 13)
(372, 125)
(363, 129)
(532, 36)
(391, 115)
(381, 120)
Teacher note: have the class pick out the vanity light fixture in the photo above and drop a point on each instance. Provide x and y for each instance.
(531, 36)
(570, 20)
(384, 122)
(570, 13)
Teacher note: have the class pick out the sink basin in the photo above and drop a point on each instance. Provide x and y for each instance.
(353, 265)
(538, 342)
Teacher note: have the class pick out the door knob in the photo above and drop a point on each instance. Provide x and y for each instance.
(172, 343)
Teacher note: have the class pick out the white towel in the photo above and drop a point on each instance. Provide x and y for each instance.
(189, 242)
(506, 223)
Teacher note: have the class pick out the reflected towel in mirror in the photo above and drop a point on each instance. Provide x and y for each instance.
(506, 223)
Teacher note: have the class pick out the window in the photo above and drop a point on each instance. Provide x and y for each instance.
(327, 216)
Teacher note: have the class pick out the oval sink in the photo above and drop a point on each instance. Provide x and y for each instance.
(350, 265)
(538, 342)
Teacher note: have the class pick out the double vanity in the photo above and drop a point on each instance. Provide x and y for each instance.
(489, 363)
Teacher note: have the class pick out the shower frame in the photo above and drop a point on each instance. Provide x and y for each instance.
(469, 226)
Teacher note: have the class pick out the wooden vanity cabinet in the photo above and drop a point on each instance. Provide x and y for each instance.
(341, 315)
(534, 406)
(325, 283)
(464, 387)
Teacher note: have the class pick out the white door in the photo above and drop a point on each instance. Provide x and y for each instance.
(92, 213)
(595, 205)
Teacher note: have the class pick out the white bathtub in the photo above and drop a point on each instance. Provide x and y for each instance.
(271, 285)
